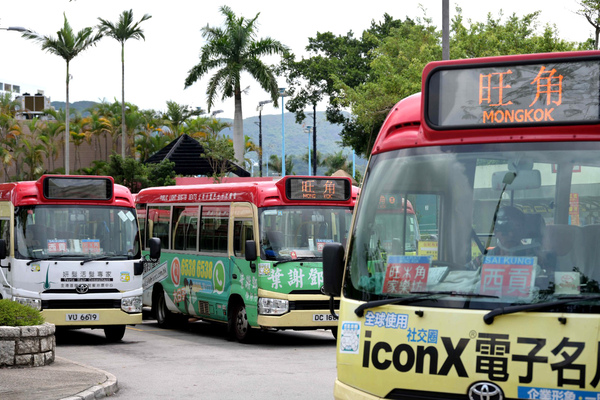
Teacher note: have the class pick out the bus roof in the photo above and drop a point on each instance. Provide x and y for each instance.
(32, 192)
(411, 122)
(260, 193)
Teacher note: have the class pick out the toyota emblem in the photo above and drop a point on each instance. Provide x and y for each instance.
(82, 288)
(485, 391)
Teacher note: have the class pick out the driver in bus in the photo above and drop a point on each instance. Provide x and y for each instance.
(517, 236)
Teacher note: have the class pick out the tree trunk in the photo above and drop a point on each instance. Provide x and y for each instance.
(123, 128)
(238, 129)
(67, 129)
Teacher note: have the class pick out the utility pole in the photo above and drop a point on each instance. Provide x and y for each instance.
(314, 130)
(445, 30)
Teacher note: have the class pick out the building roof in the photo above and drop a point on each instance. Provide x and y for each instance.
(186, 152)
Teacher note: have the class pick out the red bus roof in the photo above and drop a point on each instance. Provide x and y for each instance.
(260, 193)
(31, 193)
(406, 126)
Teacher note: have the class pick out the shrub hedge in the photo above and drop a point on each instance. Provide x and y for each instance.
(16, 314)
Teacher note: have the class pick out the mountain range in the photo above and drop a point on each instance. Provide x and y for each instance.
(296, 139)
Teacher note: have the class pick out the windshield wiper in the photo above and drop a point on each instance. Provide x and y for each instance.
(298, 259)
(99, 258)
(417, 296)
(489, 317)
(49, 258)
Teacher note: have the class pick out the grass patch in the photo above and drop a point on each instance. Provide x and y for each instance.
(16, 314)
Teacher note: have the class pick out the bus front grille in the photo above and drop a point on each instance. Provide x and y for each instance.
(302, 305)
(86, 304)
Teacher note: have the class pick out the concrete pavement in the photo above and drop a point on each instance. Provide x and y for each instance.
(62, 380)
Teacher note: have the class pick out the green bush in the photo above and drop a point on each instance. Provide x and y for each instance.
(16, 314)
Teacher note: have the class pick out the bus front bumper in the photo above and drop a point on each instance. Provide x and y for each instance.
(341, 391)
(90, 317)
(313, 319)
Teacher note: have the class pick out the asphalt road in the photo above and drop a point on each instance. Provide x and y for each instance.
(197, 361)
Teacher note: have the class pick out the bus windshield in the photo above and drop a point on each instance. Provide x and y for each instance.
(44, 232)
(500, 224)
(288, 233)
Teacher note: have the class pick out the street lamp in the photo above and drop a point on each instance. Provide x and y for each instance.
(308, 130)
(16, 28)
(260, 146)
(314, 132)
(252, 165)
(282, 94)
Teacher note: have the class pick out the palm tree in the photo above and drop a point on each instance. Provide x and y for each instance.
(50, 138)
(9, 152)
(79, 135)
(150, 138)
(53, 130)
(318, 160)
(215, 126)
(135, 121)
(249, 147)
(177, 116)
(97, 126)
(337, 161)
(234, 49)
(67, 45)
(122, 31)
(8, 105)
(147, 145)
(33, 156)
(275, 164)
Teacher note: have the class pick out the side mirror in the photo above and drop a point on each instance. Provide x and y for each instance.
(3, 249)
(154, 244)
(250, 250)
(333, 269)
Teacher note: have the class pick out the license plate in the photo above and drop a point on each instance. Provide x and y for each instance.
(83, 317)
(324, 317)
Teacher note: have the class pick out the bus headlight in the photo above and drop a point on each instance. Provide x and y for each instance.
(131, 304)
(29, 301)
(272, 306)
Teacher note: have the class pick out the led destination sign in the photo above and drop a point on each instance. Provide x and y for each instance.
(318, 189)
(559, 91)
(58, 187)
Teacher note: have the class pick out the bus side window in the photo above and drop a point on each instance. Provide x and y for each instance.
(243, 231)
(185, 225)
(160, 217)
(213, 229)
(5, 233)
(141, 214)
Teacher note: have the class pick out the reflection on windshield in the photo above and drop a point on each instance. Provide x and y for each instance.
(289, 233)
(515, 224)
(83, 232)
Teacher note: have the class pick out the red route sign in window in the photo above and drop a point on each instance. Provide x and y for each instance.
(507, 276)
(57, 246)
(90, 246)
(405, 274)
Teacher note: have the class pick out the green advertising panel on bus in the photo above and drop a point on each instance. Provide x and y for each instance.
(557, 92)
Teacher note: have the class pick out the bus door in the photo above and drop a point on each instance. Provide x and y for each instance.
(243, 274)
(5, 226)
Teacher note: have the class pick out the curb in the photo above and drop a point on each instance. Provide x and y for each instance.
(107, 388)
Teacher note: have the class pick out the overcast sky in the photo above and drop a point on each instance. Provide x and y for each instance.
(155, 69)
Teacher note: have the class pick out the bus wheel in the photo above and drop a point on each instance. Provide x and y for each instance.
(238, 323)
(114, 333)
(164, 317)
